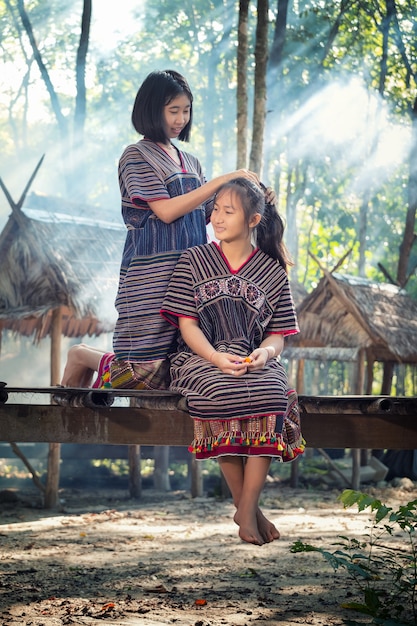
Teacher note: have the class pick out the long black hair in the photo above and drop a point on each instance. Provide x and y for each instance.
(157, 90)
(269, 232)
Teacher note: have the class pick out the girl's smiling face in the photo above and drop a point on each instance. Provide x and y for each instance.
(228, 218)
(176, 115)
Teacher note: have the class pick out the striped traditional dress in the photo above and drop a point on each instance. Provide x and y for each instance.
(254, 414)
(152, 248)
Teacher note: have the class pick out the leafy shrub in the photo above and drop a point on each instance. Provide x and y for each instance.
(385, 575)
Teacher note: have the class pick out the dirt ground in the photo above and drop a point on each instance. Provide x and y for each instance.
(169, 559)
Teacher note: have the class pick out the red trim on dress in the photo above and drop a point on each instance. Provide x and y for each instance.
(165, 312)
(232, 271)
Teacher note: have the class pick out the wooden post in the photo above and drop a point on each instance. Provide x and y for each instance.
(161, 463)
(134, 458)
(135, 478)
(357, 453)
(196, 478)
(369, 373)
(300, 376)
(295, 472)
(54, 455)
(295, 465)
(360, 374)
(387, 378)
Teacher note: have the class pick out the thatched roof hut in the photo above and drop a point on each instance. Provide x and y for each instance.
(356, 314)
(54, 260)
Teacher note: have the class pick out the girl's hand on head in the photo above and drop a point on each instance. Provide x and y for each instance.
(229, 363)
(270, 196)
(246, 174)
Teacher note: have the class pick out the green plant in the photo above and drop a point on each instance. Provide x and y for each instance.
(385, 575)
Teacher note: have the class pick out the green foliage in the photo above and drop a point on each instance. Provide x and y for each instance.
(385, 575)
(326, 165)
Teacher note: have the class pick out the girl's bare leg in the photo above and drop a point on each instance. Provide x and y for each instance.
(82, 363)
(246, 479)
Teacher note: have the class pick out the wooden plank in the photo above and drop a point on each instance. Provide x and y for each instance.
(99, 397)
(327, 422)
(374, 422)
(120, 425)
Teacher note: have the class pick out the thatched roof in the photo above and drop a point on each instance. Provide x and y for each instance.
(351, 312)
(52, 259)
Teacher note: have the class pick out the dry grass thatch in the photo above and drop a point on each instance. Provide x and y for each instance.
(50, 260)
(349, 312)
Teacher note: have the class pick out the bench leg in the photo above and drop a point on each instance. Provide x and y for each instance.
(196, 478)
(52, 479)
(161, 480)
(295, 473)
(135, 477)
(356, 468)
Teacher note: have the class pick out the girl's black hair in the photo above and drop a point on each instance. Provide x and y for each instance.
(157, 90)
(270, 230)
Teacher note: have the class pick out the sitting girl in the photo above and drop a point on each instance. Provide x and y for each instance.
(232, 303)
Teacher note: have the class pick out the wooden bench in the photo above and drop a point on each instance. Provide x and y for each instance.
(161, 419)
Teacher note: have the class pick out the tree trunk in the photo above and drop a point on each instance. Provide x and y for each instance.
(385, 28)
(242, 85)
(409, 237)
(273, 147)
(72, 165)
(327, 45)
(259, 105)
(79, 170)
(280, 32)
(62, 122)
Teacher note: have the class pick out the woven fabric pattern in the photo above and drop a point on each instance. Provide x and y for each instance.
(236, 310)
(152, 248)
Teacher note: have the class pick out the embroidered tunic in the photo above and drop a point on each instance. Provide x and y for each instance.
(250, 414)
(152, 248)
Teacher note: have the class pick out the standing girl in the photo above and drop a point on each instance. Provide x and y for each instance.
(165, 205)
(233, 305)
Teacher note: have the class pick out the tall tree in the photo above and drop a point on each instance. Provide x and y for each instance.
(242, 85)
(56, 107)
(312, 49)
(280, 31)
(70, 162)
(259, 100)
(409, 59)
(405, 269)
(80, 112)
(80, 67)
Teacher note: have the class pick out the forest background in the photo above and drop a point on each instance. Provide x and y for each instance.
(319, 97)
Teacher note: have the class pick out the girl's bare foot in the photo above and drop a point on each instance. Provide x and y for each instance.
(267, 529)
(248, 528)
